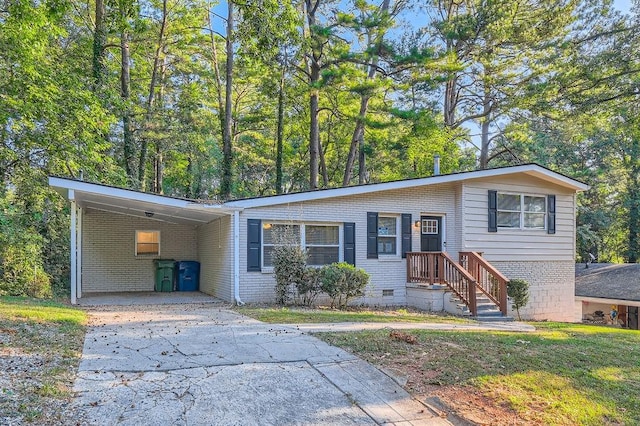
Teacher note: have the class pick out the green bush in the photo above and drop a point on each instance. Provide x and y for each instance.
(518, 291)
(289, 267)
(309, 287)
(342, 282)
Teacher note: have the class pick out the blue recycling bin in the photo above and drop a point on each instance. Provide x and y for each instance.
(188, 276)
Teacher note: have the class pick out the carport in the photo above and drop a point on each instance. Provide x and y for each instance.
(116, 234)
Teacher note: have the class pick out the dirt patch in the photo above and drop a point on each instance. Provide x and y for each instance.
(35, 385)
(465, 402)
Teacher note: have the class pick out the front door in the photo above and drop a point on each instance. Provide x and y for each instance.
(430, 233)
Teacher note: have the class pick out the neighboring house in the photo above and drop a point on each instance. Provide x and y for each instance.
(603, 286)
(511, 222)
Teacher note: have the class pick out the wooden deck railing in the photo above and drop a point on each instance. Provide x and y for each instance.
(489, 280)
(440, 268)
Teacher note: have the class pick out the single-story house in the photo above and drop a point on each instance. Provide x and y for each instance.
(603, 287)
(419, 239)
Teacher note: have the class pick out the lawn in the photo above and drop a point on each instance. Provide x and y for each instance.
(561, 374)
(276, 315)
(40, 348)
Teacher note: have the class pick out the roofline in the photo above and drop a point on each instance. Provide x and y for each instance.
(407, 183)
(130, 194)
(608, 301)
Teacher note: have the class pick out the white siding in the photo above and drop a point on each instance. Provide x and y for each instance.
(215, 254)
(386, 274)
(517, 244)
(109, 263)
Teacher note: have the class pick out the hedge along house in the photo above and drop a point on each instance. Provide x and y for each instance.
(419, 239)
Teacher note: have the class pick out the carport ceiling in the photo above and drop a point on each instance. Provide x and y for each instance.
(138, 204)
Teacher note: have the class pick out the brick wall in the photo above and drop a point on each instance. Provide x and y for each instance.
(215, 254)
(386, 274)
(109, 263)
(551, 288)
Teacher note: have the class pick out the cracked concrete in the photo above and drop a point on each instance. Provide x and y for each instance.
(202, 364)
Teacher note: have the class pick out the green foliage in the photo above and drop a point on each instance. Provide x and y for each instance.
(518, 291)
(342, 282)
(309, 287)
(289, 266)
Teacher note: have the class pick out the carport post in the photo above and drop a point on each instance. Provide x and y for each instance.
(79, 219)
(73, 267)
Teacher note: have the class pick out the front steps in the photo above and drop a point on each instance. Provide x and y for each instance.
(487, 310)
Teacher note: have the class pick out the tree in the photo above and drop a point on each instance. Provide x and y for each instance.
(518, 291)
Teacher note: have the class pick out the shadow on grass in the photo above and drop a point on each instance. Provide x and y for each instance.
(561, 374)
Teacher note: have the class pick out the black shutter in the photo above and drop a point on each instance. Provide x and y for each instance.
(406, 234)
(254, 237)
(350, 243)
(551, 214)
(372, 235)
(493, 211)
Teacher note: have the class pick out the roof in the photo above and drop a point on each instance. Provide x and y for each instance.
(180, 210)
(608, 281)
(534, 170)
(139, 204)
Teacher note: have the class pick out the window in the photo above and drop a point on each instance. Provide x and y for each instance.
(322, 242)
(274, 234)
(521, 211)
(147, 243)
(387, 235)
(429, 226)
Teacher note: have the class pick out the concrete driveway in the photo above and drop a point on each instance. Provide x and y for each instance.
(202, 364)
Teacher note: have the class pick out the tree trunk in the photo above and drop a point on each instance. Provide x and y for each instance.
(216, 72)
(314, 79)
(280, 132)
(357, 138)
(485, 127)
(314, 135)
(362, 164)
(633, 190)
(227, 149)
(99, 42)
(125, 93)
(142, 161)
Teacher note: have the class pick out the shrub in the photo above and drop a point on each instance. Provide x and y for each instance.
(308, 288)
(518, 291)
(342, 282)
(289, 266)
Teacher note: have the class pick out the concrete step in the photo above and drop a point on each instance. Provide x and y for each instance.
(493, 318)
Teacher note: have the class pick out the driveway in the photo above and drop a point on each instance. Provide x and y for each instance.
(202, 364)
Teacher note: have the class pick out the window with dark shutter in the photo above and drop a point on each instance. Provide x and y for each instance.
(493, 211)
(372, 235)
(406, 234)
(349, 229)
(254, 232)
(551, 214)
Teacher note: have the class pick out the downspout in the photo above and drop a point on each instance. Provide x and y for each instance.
(72, 229)
(236, 258)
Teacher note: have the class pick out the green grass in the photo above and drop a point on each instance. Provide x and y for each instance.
(275, 315)
(45, 339)
(560, 374)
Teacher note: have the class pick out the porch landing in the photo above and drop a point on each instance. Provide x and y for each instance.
(147, 298)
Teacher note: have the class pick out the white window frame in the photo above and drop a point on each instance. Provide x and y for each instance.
(302, 243)
(135, 247)
(522, 212)
(303, 237)
(398, 236)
